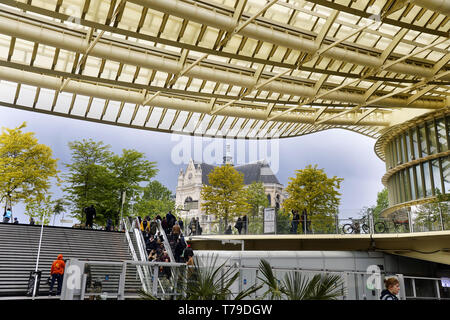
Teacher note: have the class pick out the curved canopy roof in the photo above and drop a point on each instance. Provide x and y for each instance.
(235, 68)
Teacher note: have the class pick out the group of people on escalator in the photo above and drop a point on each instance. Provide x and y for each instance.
(155, 242)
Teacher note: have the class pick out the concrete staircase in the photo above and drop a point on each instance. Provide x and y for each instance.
(19, 248)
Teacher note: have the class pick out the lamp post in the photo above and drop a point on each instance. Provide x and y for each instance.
(121, 210)
(37, 260)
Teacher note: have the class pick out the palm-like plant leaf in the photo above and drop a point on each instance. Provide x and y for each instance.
(146, 296)
(297, 287)
(328, 288)
(213, 282)
(270, 280)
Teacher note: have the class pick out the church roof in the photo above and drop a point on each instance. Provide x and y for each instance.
(253, 172)
(206, 169)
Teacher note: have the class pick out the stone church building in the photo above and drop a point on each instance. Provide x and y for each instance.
(190, 181)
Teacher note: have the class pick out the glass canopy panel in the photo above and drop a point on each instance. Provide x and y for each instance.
(112, 111)
(285, 32)
(192, 123)
(26, 96)
(7, 91)
(96, 109)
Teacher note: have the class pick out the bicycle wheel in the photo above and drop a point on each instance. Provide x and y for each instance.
(365, 228)
(380, 227)
(347, 228)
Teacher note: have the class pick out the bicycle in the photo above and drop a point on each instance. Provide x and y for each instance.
(358, 224)
(400, 224)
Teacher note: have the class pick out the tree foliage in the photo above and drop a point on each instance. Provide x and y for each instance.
(88, 180)
(98, 177)
(256, 198)
(428, 216)
(382, 203)
(225, 196)
(26, 166)
(154, 199)
(311, 189)
(41, 209)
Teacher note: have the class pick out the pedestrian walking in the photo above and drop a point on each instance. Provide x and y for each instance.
(198, 226)
(176, 230)
(392, 289)
(57, 274)
(238, 225)
(245, 224)
(193, 227)
(109, 225)
(188, 253)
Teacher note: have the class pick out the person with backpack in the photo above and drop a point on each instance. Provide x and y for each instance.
(392, 289)
(153, 227)
(145, 224)
(57, 274)
(7, 215)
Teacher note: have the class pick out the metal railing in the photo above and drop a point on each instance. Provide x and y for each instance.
(423, 218)
(75, 285)
(422, 288)
(355, 285)
(142, 276)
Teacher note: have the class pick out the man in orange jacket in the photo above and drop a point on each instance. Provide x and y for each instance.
(57, 273)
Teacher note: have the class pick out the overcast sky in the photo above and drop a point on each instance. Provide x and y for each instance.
(340, 153)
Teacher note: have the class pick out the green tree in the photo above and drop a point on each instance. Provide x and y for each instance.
(154, 199)
(59, 206)
(89, 182)
(99, 177)
(311, 189)
(225, 196)
(382, 203)
(428, 216)
(128, 171)
(283, 221)
(41, 209)
(257, 200)
(26, 167)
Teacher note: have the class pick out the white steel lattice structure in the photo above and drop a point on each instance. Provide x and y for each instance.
(234, 68)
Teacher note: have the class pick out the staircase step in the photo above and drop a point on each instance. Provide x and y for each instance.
(20, 248)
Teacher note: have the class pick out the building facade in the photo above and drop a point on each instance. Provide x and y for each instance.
(417, 157)
(191, 180)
